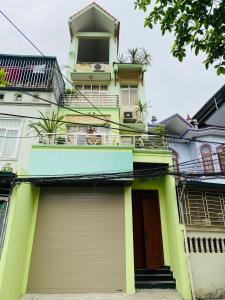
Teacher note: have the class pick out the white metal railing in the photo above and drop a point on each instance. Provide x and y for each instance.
(87, 99)
(204, 207)
(137, 141)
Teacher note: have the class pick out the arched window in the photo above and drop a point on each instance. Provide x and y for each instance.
(207, 159)
(221, 157)
(175, 161)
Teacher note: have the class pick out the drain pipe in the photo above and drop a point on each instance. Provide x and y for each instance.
(181, 209)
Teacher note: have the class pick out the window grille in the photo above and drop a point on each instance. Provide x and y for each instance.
(207, 159)
(204, 207)
(9, 130)
(129, 95)
(175, 161)
(221, 157)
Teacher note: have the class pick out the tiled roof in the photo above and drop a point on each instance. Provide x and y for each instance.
(95, 4)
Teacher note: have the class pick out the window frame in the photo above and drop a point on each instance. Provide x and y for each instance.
(17, 140)
(128, 88)
(205, 162)
(221, 163)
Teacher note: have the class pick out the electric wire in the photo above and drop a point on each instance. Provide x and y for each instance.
(25, 36)
(56, 66)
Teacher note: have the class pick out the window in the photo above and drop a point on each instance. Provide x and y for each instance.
(18, 97)
(1, 96)
(175, 161)
(93, 50)
(207, 159)
(82, 135)
(9, 130)
(129, 95)
(93, 89)
(204, 207)
(221, 157)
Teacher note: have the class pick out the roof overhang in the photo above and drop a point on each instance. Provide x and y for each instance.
(211, 106)
(94, 76)
(129, 67)
(93, 18)
(176, 125)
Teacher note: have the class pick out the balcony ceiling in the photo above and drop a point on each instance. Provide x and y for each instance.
(92, 18)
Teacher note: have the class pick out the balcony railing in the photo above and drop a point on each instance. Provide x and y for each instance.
(32, 73)
(137, 141)
(89, 99)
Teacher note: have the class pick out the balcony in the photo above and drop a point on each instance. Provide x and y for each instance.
(32, 73)
(151, 142)
(85, 100)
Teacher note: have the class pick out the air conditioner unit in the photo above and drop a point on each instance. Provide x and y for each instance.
(128, 117)
(98, 67)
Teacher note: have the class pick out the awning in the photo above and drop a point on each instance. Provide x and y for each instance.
(93, 76)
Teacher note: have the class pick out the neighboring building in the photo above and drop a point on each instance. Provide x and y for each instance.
(202, 151)
(35, 75)
(95, 233)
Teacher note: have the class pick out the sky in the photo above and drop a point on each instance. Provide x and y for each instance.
(171, 86)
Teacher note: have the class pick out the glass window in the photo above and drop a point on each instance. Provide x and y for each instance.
(175, 161)
(9, 131)
(221, 157)
(129, 95)
(207, 159)
(1, 96)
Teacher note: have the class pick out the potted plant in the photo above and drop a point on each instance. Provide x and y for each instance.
(141, 110)
(93, 139)
(48, 126)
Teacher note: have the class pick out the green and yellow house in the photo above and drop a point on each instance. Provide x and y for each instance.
(92, 214)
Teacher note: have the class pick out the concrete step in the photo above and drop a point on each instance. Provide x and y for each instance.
(155, 284)
(140, 295)
(154, 277)
(155, 271)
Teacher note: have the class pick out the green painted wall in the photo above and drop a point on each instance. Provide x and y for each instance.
(173, 242)
(15, 259)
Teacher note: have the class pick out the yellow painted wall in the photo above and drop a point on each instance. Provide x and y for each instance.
(15, 259)
(173, 242)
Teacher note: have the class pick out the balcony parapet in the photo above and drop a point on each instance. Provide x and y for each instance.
(85, 100)
(150, 142)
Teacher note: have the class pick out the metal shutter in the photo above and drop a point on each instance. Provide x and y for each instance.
(79, 244)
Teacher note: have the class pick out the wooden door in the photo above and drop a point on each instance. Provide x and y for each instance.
(148, 249)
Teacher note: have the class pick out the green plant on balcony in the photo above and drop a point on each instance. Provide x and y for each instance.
(158, 139)
(70, 92)
(136, 56)
(47, 126)
(141, 110)
(3, 75)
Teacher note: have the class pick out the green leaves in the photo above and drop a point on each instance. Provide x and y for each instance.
(220, 70)
(197, 24)
(3, 81)
(47, 124)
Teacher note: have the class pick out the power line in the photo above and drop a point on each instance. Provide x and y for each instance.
(86, 98)
(63, 122)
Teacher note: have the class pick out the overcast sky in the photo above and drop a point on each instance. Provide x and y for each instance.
(171, 86)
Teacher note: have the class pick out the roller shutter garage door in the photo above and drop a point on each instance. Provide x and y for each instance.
(79, 243)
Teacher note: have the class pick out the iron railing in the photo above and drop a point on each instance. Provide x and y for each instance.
(90, 99)
(32, 73)
(137, 141)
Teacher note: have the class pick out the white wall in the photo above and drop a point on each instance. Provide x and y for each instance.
(30, 107)
(208, 268)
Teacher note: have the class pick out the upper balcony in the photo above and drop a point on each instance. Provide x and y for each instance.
(89, 100)
(32, 73)
(149, 142)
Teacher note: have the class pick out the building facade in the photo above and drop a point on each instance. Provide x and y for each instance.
(199, 155)
(89, 216)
